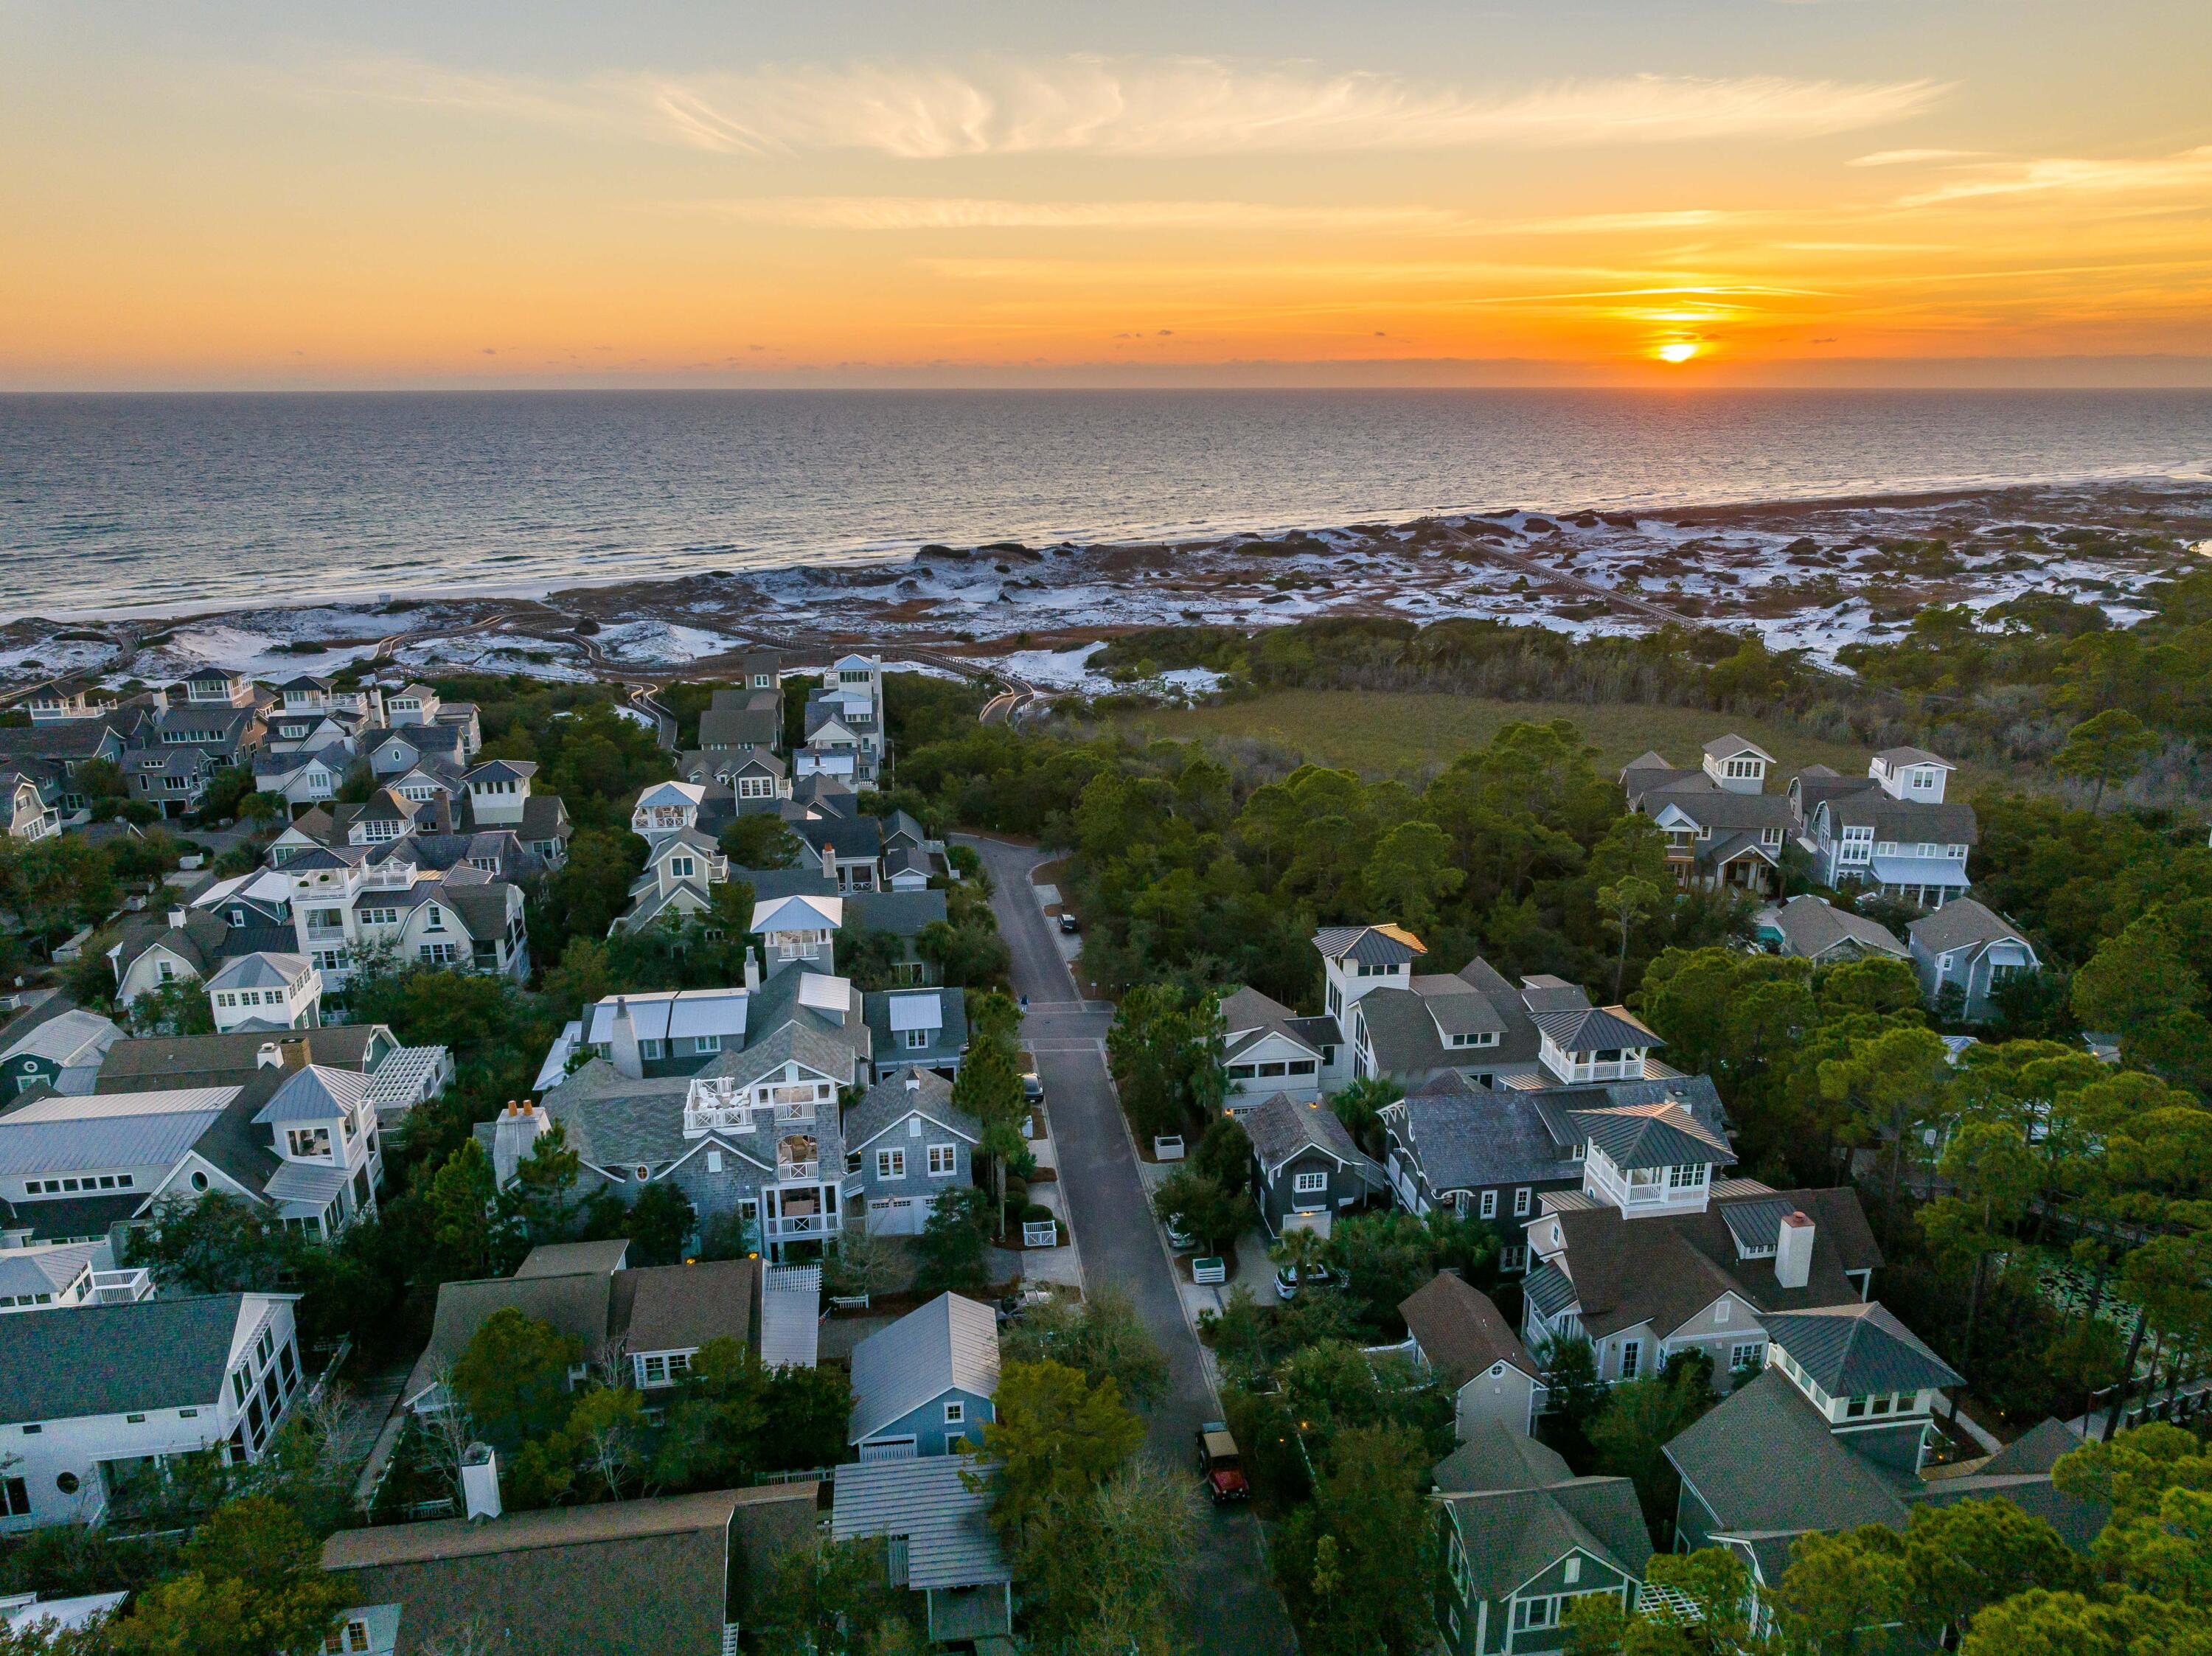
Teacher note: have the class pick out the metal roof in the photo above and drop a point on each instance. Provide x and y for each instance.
(1653, 1136)
(947, 1526)
(920, 1010)
(1756, 1226)
(1858, 1349)
(261, 970)
(791, 1316)
(798, 913)
(63, 1037)
(950, 1344)
(314, 1093)
(65, 1133)
(305, 1184)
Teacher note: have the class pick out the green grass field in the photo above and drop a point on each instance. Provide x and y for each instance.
(1388, 733)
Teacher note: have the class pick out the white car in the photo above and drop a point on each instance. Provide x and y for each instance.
(1179, 1237)
(1287, 1280)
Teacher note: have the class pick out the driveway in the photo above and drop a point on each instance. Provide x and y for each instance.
(1235, 1610)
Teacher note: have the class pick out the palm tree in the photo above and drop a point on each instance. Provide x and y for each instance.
(1300, 1250)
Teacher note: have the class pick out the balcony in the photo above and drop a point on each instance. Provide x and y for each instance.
(717, 1118)
(801, 1227)
(121, 1287)
(796, 1173)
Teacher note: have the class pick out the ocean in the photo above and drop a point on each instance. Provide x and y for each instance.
(164, 503)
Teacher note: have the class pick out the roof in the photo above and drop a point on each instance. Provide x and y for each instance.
(576, 1305)
(947, 1526)
(1962, 923)
(670, 1015)
(682, 1562)
(64, 1036)
(950, 1343)
(120, 1359)
(1730, 746)
(1853, 1350)
(1460, 1332)
(901, 913)
(791, 1316)
(1764, 1458)
(890, 1101)
(1895, 758)
(2036, 1450)
(1370, 945)
(1664, 1270)
(314, 1093)
(798, 913)
(1282, 1127)
(1512, 1536)
(1812, 926)
(66, 1132)
(1949, 822)
(1654, 1135)
(195, 1060)
(1591, 1028)
(680, 1307)
(604, 1257)
(1494, 1456)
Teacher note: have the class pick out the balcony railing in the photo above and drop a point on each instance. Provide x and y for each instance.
(797, 1226)
(791, 1172)
(718, 1118)
(121, 1287)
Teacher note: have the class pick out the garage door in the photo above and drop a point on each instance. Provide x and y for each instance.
(895, 1216)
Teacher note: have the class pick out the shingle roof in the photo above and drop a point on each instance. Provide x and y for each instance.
(947, 1524)
(1494, 1456)
(1282, 1127)
(901, 913)
(889, 1101)
(118, 1359)
(1811, 926)
(680, 1307)
(161, 1061)
(261, 969)
(2036, 1450)
(1962, 923)
(1853, 1350)
(1764, 1459)
(1370, 945)
(950, 1342)
(1895, 757)
(1460, 1332)
(576, 1305)
(1512, 1536)
(1727, 747)
(1951, 823)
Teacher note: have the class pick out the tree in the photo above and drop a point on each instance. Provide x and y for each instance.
(949, 1253)
(661, 1222)
(2112, 745)
(512, 1377)
(806, 1411)
(1370, 1588)
(1628, 902)
(1166, 1052)
(252, 1586)
(760, 839)
(1996, 1176)
(713, 1435)
(833, 1598)
(1102, 1335)
(1210, 1214)
(1640, 1418)
(542, 1199)
(462, 1198)
(179, 1007)
(1381, 1258)
(1841, 1592)
(214, 1244)
(1893, 1084)
(1359, 1105)
(1409, 872)
(1055, 1434)
(1720, 1600)
(1225, 1155)
(1963, 1557)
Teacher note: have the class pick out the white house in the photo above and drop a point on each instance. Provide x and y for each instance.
(58, 1276)
(799, 929)
(846, 735)
(1968, 949)
(263, 990)
(667, 808)
(97, 1403)
(25, 811)
(1457, 1334)
(460, 917)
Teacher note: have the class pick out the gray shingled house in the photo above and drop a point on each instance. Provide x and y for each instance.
(1307, 1168)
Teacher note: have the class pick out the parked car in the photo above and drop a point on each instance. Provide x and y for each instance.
(1288, 1281)
(1032, 1087)
(1219, 1465)
(1068, 924)
(1179, 1237)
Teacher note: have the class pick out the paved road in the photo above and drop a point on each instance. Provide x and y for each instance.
(1235, 1610)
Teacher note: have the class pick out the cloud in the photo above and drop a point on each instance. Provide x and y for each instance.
(969, 213)
(1159, 107)
(2188, 171)
(1913, 157)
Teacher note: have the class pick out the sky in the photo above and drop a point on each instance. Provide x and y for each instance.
(209, 194)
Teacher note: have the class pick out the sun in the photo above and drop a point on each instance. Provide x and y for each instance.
(1678, 350)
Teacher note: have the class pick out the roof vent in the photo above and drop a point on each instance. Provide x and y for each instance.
(270, 1056)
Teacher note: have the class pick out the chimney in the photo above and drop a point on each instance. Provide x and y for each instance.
(512, 1134)
(1793, 1250)
(480, 1480)
(627, 1058)
(177, 919)
(752, 973)
(270, 1057)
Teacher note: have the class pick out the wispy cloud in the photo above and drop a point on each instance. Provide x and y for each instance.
(969, 213)
(1913, 157)
(2189, 170)
(1162, 107)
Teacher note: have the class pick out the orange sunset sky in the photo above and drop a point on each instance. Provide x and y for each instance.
(1727, 192)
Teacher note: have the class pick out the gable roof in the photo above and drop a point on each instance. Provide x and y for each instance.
(1463, 1136)
(120, 1359)
(1460, 1332)
(2036, 1450)
(62, 1036)
(1811, 926)
(680, 1307)
(890, 1101)
(798, 913)
(1733, 746)
(158, 1062)
(1512, 1536)
(1962, 923)
(1764, 1459)
(1897, 758)
(950, 1343)
(576, 1305)
(947, 1524)
(1494, 1456)
(1370, 945)
(1851, 1350)
(1282, 1128)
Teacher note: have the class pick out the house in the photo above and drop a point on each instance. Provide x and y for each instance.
(846, 736)
(918, 1029)
(1522, 1538)
(54, 755)
(1724, 831)
(218, 687)
(58, 1276)
(901, 916)
(1966, 951)
(398, 1077)
(67, 699)
(500, 794)
(753, 1134)
(923, 1386)
(1269, 1049)
(679, 868)
(1652, 1257)
(1892, 829)
(343, 905)
(798, 931)
(191, 946)
(96, 1401)
(172, 778)
(262, 899)
(675, 1031)
(265, 990)
(1307, 1170)
(1495, 1152)
(25, 1613)
(26, 812)
(934, 1515)
(670, 1575)
(301, 776)
(906, 1143)
(1810, 928)
(652, 1321)
(62, 1050)
(1458, 1335)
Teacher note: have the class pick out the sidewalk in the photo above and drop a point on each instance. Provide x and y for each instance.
(1061, 1266)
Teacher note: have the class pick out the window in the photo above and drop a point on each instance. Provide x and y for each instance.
(1631, 1358)
(14, 1497)
(956, 1414)
(1685, 1176)
(1513, 1258)
(1532, 1613)
(890, 1164)
(1520, 1203)
(68, 1483)
(1310, 1183)
(1746, 1355)
(435, 920)
(917, 1039)
(438, 954)
(341, 1641)
(1490, 1205)
(944, 1161)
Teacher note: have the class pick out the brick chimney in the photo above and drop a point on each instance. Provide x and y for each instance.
(1793, 1250)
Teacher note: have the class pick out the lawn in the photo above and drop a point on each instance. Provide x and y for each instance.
(1389, 732)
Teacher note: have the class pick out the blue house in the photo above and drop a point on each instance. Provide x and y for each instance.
(923, 1386)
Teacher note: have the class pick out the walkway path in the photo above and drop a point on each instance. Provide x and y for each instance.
(1235, 1610)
